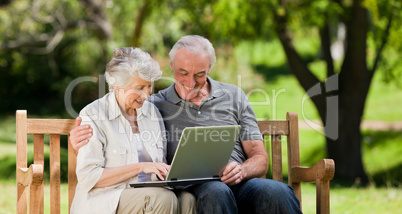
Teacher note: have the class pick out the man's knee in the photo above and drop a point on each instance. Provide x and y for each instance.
(187, 202)
(216, 190)
(212, 192)
(262, 195)
(214, 197)
(260, 185)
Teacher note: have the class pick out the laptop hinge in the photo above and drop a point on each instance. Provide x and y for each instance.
(173, 179)
(216, 176)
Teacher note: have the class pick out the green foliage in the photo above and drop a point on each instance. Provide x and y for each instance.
(34, 74)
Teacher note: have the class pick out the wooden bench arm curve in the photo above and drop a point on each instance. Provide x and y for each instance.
(323, 170)
(30, 176)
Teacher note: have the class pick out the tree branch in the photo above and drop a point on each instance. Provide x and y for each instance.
(50, 40)
(138, 24)
(326, 47)
(384, 40)
(339, 2)
(97, 14)
(4, 3)
(298, 67)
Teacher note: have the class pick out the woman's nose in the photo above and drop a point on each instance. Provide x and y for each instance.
(144, 95)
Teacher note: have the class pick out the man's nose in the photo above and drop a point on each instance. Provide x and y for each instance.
(190, 82)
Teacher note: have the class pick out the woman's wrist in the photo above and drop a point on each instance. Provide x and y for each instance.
(141, 167)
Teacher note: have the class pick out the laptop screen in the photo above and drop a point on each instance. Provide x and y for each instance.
(203, 152)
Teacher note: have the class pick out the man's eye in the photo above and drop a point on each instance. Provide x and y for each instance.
(183, 74)
(200, 75)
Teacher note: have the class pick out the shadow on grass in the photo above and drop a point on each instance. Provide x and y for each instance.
(271, 73)
(8, 166)
(389, 177)
(372, 139)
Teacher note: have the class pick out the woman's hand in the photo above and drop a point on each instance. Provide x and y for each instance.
(160, 169)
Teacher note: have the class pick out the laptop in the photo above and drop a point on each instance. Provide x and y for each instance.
(201, 155)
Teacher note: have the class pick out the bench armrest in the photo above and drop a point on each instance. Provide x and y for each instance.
(30, 176)
(323, 170)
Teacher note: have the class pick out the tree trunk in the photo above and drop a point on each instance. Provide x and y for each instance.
(354, 82)
(139, 21)
(346, 150)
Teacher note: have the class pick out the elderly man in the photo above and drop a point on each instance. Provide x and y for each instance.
(194, 99)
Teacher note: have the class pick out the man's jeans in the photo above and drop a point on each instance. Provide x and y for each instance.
(257, 195)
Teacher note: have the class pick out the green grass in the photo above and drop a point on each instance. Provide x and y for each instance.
(343, 200)
(355, 200)
(277, 98)
(8, 199)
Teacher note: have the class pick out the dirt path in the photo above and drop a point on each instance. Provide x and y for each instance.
(371, 125)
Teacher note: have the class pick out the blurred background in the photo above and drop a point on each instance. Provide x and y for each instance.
(344, 53)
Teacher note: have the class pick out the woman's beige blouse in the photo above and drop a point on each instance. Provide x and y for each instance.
(110, 146)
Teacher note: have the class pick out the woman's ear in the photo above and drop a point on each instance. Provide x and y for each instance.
(115, 88)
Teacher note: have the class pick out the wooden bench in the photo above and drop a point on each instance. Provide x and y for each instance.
(30, 180)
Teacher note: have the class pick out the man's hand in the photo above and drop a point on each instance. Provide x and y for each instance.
(232, 174)
(79, 136)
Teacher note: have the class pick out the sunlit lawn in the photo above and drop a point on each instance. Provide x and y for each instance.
(343, 200)
(8, 198)
(356, 200)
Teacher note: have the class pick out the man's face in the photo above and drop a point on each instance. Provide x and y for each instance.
(190, 72)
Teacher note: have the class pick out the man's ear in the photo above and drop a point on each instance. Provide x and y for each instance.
(171, 66)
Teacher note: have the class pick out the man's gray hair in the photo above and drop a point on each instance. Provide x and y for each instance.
(129, 62)
(196, 45)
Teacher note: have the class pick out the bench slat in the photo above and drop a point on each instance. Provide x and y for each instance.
(276, 145)
(293, 152)
(72, 177)
(22, 159)
(277, 127)
(50, 126)
(37, 203)
(55, 174)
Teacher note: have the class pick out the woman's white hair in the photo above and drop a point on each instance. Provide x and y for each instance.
(196, 45)
(129, 62)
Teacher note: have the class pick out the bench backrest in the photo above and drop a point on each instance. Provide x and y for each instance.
(38, 128)
(31, 180)
(276, 129)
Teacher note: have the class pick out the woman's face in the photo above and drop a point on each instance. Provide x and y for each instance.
(134, 95)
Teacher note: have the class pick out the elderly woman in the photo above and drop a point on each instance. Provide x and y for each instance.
(128, 144)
